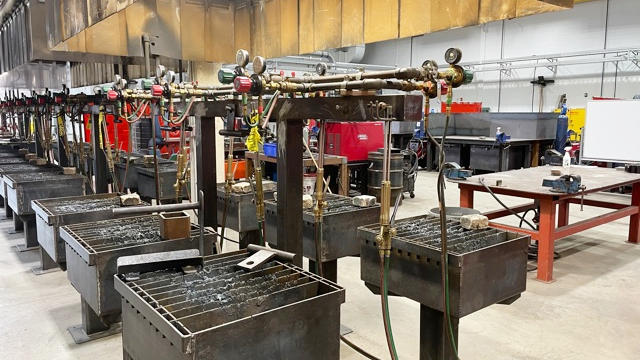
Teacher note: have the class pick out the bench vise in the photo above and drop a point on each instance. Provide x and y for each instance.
(455, 172)
(566, 184)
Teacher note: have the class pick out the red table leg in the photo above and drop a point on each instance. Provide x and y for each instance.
(466, 197)
(563, 214)
(546, 239)
(634, 221)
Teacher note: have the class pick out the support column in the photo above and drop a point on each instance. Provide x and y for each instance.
(290, 186)
(434, 341)
(634, 220)
(546, 238)
(466, 197)
(206, 167)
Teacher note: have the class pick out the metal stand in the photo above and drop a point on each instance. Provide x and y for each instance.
(18, 225)
(8, 213)
(248, 237)
(434, 342)
(93, 326)
(30, 232)
(329, 269)
(290, 186)
(47, 264)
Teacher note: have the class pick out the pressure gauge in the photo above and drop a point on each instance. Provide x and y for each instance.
(242, 58)
(259, 65)
(321, 69)
(453, 56)
(160, 71)
(170, 77)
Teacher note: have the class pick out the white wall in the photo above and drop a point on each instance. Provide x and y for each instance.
(596, 25)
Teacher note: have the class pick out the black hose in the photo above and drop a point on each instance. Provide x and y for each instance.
(358, 349)
(505, 206)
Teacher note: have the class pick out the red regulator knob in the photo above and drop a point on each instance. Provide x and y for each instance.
(156, 90)
(242, 84)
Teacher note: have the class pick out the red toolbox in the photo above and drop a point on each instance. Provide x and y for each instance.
(353, 140)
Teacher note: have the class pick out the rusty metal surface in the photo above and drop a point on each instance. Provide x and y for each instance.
(208, 313)
(485, 266)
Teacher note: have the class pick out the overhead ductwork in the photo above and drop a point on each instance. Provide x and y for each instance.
(213, 30)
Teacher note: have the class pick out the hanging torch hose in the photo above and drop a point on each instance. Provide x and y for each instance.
(447, 326)
(384, 239)
(62, 133)
(318, 210)
(72, 117)
(107, 145)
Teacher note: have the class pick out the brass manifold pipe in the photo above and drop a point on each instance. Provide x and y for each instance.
(367, 84)
(399, 73)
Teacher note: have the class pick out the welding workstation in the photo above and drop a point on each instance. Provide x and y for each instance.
(260, 180)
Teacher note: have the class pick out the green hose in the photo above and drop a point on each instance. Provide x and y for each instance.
(260, 231)
(386, 306)
(448, 310)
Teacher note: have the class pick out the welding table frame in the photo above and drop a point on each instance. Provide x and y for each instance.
(289, 115)
(527, 183)
(329, 160)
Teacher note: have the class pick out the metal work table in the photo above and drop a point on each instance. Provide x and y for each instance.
(329, 160)
(527, 183)
(19, 169)
(92, 252)
(25, 187)
(241, 215)
(54, 213)
(483, 153)
(340, 222)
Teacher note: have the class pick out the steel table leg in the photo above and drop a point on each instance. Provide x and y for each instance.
(466, 197)
(94, 326)
(329, 269)
(18, 225)
(546, 238)
(30, 232)
(434, 342)
(8, 213)
(563, 214)
(634, 220)
(249, 237)
(47, 264)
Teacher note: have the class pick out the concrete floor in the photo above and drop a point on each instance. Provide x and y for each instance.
(588, 313)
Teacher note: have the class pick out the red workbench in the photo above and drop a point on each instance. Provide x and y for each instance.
(527, 183)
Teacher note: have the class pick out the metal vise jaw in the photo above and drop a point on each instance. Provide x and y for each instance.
(454, 171)
(566, 184)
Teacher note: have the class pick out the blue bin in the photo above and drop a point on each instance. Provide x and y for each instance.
(271, 149)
